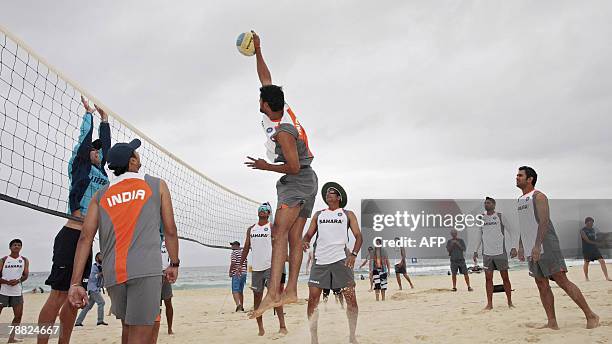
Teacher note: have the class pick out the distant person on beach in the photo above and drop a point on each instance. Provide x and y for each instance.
(94, 286)
(130, 243)
(590, 251)
(87, 175)
(492, 237)
(333, 263)
(238, 274)
(259, 242)
(14, 270)
(166, 294)
(370, 261)
(456, 247)
(400, 266)
(538, 242)
(380, 271)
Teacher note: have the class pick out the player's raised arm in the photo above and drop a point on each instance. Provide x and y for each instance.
(262, 69)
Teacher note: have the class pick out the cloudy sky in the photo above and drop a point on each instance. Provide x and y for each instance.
(410, 99)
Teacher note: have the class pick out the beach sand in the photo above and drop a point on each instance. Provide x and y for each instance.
(430, 313)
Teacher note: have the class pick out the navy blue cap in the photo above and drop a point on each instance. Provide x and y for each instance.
(119, 155)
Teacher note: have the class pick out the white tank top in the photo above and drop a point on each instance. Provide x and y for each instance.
(165, 256)
(528, 222)
(492, 236)
(261, 247)
(332, 231)
(13, 269)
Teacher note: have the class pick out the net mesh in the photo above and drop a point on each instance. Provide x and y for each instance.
(40, 117)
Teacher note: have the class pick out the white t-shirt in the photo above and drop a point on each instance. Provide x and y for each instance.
(332, 236)
(165, 257)
(528, 222)
(261, 247)
(12, 269)
(490, 235)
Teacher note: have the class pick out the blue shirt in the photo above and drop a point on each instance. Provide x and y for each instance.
(95, 282)
(85, 177)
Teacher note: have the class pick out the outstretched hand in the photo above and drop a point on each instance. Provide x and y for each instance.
(256, 41)
(86, 105)
(102, 113)
(256, 164)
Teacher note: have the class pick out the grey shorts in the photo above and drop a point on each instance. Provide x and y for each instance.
(298, 190)
(259, 280)
(331, 276)
(498, 262)
(458, 266)
(166, 291)
(136, 301)
(10, 301)
(546, 266)
(551, 261)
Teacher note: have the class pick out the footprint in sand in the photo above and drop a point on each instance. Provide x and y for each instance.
(400, 296)
(421, 337)
(605, 323)
(532, 339)
(433, 291)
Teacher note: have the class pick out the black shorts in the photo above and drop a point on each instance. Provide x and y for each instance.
(64, 249)
(400, 269)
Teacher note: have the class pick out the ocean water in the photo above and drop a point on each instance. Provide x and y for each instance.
(217, 277)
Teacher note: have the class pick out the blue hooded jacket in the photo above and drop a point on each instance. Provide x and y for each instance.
(85, 177)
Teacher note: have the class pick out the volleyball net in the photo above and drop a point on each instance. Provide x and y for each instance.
(40, 119)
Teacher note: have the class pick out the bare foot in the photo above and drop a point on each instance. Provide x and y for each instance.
(14, 340)
(510, 305)
(488, 308)
(288, 297)
(283, 330)
(353, 340)
(470, 289)
(609, 279)
(262, 332)
(593, 321)
(170, 332)
(551, 325)
(266, 303)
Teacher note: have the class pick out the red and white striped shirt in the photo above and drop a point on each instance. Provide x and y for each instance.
(236, 257)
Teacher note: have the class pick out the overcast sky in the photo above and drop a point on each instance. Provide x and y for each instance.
(403, 100)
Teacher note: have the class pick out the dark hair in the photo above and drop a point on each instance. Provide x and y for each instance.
(15, 241)
(98, 254)
(117, 171)
(370, 248)
(530, 172)
(274, 96)
(490, 199)
(589, 219)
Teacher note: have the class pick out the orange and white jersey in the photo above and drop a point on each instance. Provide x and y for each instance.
(290, 124)
(129, 224)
